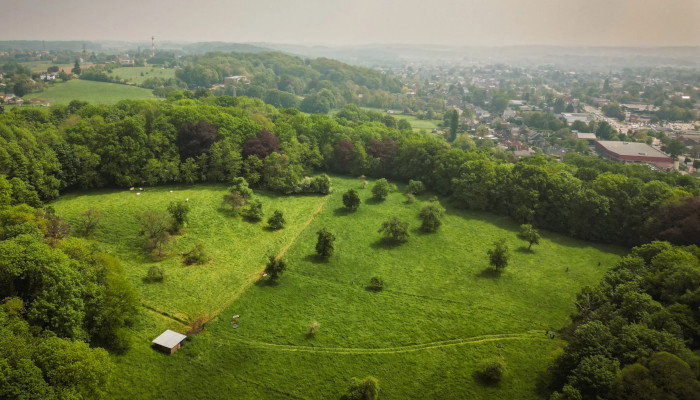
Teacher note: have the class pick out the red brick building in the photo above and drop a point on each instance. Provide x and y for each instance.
(634, 152)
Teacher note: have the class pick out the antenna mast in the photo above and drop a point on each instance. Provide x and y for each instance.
(153, 46)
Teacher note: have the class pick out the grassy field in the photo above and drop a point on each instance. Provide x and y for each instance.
(441, 313)
(42, 66)
(133, 74)
(93, 92)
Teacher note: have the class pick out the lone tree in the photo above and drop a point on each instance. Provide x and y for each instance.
(431, 214)
(90, 224)
(76, 67)
(178, 211)
(362, 389)
(395, 229)
(498, 256)
(351, 200)
(324, 245)
(275, 267)
(155, 226)
(238, 194)
(415, 187)
(276, 221)
(529, 234)
(381, 189)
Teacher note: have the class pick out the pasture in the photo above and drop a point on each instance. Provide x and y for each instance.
(138, 75)
(90, 91)
(442, 310)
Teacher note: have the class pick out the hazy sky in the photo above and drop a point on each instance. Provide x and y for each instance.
(449, 22)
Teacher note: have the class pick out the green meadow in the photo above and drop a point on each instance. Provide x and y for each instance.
(138, 75)
(90, 91)
(441, 312)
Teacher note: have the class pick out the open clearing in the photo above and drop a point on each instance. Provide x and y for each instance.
(441, 313)
(133, 74)
(90, 91)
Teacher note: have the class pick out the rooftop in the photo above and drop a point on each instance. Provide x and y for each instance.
(632, 149)
(169, 339)
(583, 135)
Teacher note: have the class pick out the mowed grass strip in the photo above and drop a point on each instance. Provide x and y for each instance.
(90, 91)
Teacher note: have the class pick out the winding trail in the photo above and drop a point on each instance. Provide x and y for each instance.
(530, 335)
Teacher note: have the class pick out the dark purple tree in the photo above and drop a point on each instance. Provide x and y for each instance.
(262, 145)
(195, 139)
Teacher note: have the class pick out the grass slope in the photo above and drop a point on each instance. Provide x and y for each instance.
(93, 92)
(441, 313)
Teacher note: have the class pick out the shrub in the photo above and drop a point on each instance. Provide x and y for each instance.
(410, 198)
(362, 389)
(431, 214)
(324, 245)
(155, 274)
(491, 371)
(415, 187)
(195, 256)
(178, 211)
(376, 284)
(276, 221)
(381, 189)
(253, 210)
(275, 267)
(313, 328)
(321, 184)
(395, 229)
(351, 200)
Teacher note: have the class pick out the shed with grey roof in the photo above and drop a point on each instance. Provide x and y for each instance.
(169, 341)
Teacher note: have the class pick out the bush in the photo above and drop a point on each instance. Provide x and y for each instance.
(395, 230)
(155, 274)
(491, 371)
(178, 211)
(321, 184)
(195, 256)
(410, 198)
(381, 189)
(276, 221)
(324, 245)
(431, 214)
(362, 389)
(313, 328)
(351, 200)
(376, 284)
(253, 210)
(275, 267)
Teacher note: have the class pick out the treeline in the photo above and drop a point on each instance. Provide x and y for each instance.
(636, 334)
(62, 303)
(216, 139)
(281, 79)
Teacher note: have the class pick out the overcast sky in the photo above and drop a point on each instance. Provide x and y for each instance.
(339, 22)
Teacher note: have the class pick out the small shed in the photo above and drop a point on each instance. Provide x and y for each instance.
(169, 341)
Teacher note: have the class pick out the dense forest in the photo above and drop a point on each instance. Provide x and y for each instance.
(59, 293)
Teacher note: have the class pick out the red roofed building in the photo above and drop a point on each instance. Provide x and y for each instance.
(634, 152)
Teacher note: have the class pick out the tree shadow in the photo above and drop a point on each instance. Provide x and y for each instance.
(316, 259)
(525, 250)
(227, 211)
(266, 282)
(342, 211)
(374, 200)
(490, 273)
(268, 228)
(386, 243)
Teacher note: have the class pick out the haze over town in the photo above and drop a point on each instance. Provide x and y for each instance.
(336, 22)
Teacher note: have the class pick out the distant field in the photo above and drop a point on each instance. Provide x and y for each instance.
(428, 124)
(93, 92)
(441, 313)
(133, 74)
(38, 66)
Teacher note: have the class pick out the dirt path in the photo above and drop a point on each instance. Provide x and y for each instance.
(256, 276)
(530, 335)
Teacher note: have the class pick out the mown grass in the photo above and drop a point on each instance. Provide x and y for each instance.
(133, 74)
(441, 313)
(90, 91)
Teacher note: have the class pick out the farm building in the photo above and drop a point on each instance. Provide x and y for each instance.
(634, 152)
(169, 341)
